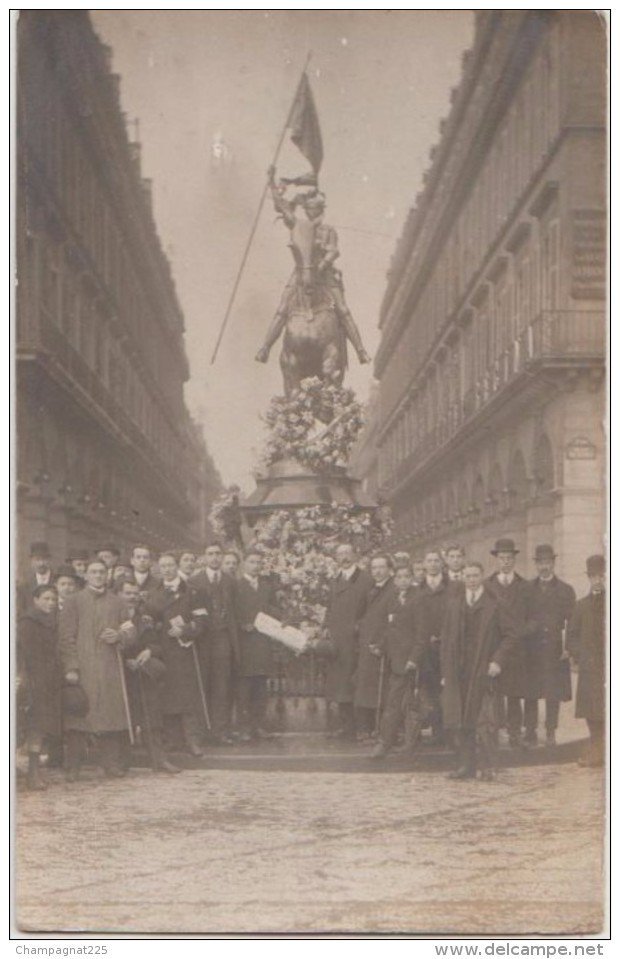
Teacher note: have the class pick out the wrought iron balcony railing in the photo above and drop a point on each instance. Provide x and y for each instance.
(555, 338)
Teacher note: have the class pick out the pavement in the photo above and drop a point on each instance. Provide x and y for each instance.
(255, 842)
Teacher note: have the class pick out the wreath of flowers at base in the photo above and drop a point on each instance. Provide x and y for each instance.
(317, 426)
(298, 547)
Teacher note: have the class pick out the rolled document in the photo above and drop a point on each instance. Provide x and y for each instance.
(294, 638)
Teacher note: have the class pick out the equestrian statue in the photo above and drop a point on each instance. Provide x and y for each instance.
(313, 313)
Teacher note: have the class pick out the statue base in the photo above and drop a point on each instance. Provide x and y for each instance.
(288, 484)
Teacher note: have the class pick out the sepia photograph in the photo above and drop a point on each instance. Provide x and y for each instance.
(310, 473)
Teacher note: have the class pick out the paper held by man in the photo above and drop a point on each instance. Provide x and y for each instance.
(292, 637)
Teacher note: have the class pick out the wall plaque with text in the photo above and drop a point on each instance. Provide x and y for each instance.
(580, 448)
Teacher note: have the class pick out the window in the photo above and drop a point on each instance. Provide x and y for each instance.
(100, 348)
(86, 328)
(525, 292)
(550, 265)
(543, 465)
(517, 482)
(69, 308)
(535, 276)
(50, 281)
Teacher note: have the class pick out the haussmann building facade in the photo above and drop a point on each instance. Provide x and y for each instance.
(106, 448)
(490, 419)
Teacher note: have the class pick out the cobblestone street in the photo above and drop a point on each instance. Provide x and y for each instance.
(241, 850)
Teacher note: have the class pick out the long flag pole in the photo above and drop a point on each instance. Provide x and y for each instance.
(257, 217)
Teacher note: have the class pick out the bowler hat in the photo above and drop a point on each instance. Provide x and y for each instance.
(542, 552)
(40, 549)
(595, 565)
(109, 548)
(75, 700)
(504, 546)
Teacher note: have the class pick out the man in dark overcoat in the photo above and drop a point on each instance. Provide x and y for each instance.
(39, 679)
(370, 671)
(511, 590)
(180, 615)
(551, 604)
(254, 594)
(40, 575)
(396, 643)
(221, 646)
(145, 676)
(435, 594)
(346, 605)
(586, 645)
(476, 643)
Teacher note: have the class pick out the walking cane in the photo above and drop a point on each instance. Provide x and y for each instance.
(147, 717)
(409, 711)
(121, 669)
(379, 696)
(205, 708)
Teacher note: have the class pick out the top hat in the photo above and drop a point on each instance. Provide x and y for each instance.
(504, 546)
(595, 565)
(40, 549)
(543, 552)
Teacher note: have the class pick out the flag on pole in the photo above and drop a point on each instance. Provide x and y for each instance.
(304, 125)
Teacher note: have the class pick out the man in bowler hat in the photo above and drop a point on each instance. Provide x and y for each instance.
(551, 604)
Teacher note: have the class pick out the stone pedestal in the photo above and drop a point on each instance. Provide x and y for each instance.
(288, 484)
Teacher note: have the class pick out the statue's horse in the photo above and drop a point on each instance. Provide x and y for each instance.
(313, 342)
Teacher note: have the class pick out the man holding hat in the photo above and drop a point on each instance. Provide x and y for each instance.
(511, 591)
(91, 625)
(551, 604)
(586, 645)
(145, 676)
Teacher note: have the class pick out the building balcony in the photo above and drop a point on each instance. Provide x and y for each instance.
(555, 339)
(78, 379)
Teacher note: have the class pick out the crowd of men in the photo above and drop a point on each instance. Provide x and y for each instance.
(111, 648)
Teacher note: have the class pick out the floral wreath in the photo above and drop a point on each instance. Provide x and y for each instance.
(318, 426)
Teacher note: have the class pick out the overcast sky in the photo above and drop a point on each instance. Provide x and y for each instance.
(381, 81)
